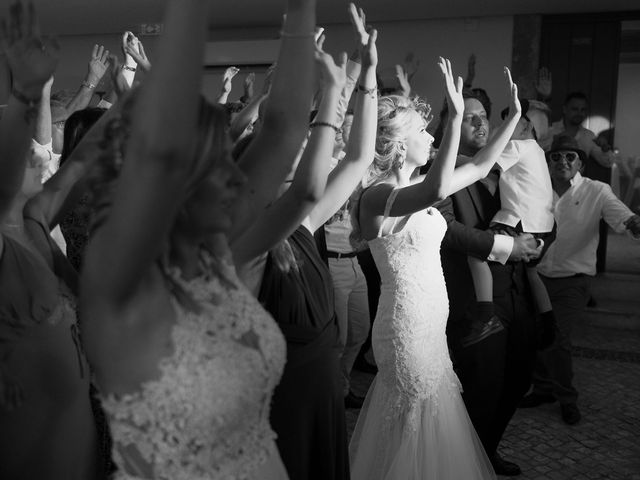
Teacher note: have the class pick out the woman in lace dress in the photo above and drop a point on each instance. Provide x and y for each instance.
(414, 424)
(185, 357)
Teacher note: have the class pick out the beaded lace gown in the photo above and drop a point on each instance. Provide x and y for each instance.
(207, 416)
(414, 424)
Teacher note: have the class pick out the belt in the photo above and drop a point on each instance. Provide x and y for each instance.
(339, 255)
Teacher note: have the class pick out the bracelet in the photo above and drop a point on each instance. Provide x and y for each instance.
(22, 98)
(297, 35)
(131, 69)
(324, 124)
(88, 85)
(369, 91)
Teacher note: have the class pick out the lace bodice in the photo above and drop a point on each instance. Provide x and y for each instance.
(409, 334)
(207, 416)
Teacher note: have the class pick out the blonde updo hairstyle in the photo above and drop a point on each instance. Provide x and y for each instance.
(395, 120)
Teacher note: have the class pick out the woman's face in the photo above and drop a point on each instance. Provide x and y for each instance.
(211, 206)
(418, 141)
(32, 181)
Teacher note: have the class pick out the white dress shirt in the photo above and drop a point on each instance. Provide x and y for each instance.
(578, 212)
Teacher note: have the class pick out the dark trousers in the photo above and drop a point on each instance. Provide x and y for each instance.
(372, 276)
(553, 374)
(496, 373)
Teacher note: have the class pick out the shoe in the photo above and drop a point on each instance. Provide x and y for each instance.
(535, 400)
(503, 467)
(353, 401)
(362, 365)
(570, 413)
(480, 331)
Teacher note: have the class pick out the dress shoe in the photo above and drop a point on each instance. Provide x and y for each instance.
(481, 330)
(353, 401)
(503, 467)
(535, 400)
(362, 365)
(570, 413)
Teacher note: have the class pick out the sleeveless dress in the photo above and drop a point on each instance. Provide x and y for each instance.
(414, 424)
(308, 407)
(207, 416)
(51, 433)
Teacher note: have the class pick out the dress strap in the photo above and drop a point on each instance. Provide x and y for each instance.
(387, 210)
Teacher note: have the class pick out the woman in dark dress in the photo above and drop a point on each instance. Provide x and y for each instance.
(294, 284)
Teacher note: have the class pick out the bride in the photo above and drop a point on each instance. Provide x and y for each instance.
(414, 424)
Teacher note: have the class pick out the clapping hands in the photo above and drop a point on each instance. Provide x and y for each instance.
(31, 58)
(133, 48)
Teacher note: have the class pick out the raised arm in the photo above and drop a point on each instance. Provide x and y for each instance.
(486, 158)
(269, 158)
(156, 163)
(361, 147)
(32, 61)
(225, 88)
(308, 185)
(98, 66)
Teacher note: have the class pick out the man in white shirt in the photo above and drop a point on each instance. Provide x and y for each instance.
(579, 204)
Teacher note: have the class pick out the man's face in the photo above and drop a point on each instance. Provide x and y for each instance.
(475, 127)
(575, 112)
(564, 165)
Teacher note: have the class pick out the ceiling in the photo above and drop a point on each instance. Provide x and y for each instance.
(76, 17)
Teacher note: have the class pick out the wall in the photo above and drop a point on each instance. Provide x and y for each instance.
(490, 38)
(627, 139)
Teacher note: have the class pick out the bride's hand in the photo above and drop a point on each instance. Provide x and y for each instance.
(455, 101)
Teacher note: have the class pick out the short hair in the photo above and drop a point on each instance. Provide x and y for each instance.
(575, 95)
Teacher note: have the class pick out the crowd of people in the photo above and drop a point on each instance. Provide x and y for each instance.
(186, 285)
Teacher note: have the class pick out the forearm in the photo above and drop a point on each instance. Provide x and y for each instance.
(222, 98)
(437, 182)
(353, 73)
(311, 175)
(81, 99)
(166, 122)
(365, 119)
(16, 131)
(288, 108)
(42, 133)
(244, 118)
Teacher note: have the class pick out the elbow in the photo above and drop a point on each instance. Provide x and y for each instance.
(309, 195)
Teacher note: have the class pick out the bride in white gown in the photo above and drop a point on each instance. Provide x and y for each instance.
(414, 424)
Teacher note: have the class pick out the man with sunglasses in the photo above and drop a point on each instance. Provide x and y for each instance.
(569, 264)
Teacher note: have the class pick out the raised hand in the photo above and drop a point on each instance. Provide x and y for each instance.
(133, 47)
(544, 83)
(331, 73)
(31, 59)
(455, 101)
(249, 81)
(369, 51)
(403, 78)
(410, 65)
(514, 103)
(359, 22)
(229, 73)
(98, 64)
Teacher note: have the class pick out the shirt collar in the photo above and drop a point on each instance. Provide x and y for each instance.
(576, 180)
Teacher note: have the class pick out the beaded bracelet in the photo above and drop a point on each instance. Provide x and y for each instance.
(88, 85)
(324, 124)
(22, 98)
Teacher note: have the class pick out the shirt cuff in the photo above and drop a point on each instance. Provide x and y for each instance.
(501, 250)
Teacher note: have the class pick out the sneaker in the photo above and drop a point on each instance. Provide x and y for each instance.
(480, 331)
(535, 400)
(570, 413)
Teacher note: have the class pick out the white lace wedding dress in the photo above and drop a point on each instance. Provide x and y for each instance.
(207, 416)
(414, 424)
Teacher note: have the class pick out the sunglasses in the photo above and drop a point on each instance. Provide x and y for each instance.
(568, 156)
